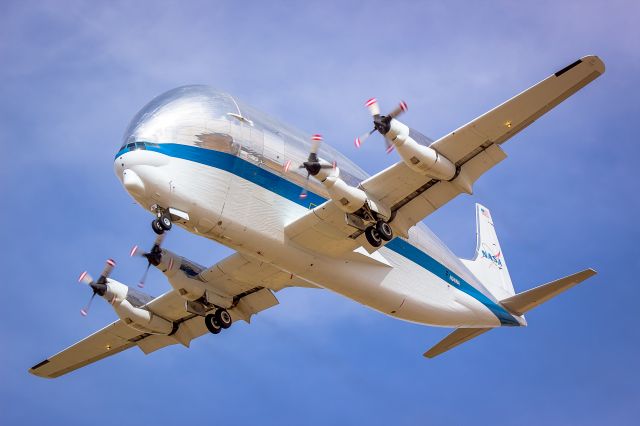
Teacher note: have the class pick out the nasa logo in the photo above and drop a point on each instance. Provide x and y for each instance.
(494, 258)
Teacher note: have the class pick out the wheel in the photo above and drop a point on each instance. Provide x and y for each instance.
(385, 231)
(212, 324)
(373, 236)
(165, 222)
(157, 228)
(223, 317)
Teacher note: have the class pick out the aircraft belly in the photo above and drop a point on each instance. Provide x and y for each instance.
(249, 218)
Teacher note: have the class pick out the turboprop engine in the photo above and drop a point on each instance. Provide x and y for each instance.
(127, 303)
(181, 272)
(419, 158)
(184, 276)
(348, 198)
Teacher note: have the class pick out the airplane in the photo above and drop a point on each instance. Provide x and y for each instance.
(298, 213)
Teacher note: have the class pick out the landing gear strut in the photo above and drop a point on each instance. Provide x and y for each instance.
(218, 320)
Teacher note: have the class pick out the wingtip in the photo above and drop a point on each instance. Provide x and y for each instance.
(591, 272)
(595, 62)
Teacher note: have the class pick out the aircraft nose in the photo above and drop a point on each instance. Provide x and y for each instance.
(132, 182)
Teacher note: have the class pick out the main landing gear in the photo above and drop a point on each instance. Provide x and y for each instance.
(162, 223)
(220, 319)
(379, 232)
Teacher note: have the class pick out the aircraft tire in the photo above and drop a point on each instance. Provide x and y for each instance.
(165, 222)
(212, 324)
(385, 231)
(157, 227)
(373, 237)
(223, 318)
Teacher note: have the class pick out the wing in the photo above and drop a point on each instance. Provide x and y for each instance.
(239, 273)
(474, 148)
(247, 282)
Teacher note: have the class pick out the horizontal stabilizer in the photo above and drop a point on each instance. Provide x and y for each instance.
(454, 339)
(527, 300)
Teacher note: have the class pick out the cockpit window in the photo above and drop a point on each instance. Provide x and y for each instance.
(133, 146)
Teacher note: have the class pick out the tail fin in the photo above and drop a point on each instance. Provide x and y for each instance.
(489, 264)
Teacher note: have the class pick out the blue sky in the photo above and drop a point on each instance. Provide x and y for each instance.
(74, 73)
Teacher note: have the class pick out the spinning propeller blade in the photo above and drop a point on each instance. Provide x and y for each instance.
(313, 165)
(316, 140)
(99, 286)
(381, 123)
(154, 257)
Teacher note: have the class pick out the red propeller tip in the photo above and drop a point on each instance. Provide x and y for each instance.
(389, 149)
(82, 275)
(316, 137)
(370, 102)
(303, 195)
(141, 285)
(133, 251)
(403, 106)
(358, 142)
(287, 166)
(111, 262)
(83, 312)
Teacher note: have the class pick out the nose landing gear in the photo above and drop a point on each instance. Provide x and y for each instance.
(162, 223)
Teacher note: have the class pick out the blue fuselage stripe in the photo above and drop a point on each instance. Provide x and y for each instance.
(291, 191)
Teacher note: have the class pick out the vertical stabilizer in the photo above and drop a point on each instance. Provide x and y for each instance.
(489, 264)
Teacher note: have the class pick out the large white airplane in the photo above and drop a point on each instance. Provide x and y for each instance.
(200, 159)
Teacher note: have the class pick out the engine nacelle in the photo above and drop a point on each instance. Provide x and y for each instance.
(348, 198)
(182, 275)
(421, 159)
(135, 317)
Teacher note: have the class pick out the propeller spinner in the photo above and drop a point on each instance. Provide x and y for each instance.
(381, 123)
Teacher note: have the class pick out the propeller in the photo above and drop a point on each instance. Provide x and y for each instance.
(154, 257)
(99, 286)
(313, 165)
(381, 123)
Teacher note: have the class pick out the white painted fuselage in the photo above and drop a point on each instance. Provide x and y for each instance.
(190, 151)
